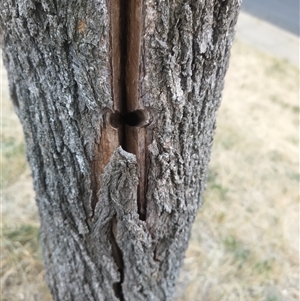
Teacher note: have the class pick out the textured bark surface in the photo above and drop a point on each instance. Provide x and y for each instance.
(117, 196)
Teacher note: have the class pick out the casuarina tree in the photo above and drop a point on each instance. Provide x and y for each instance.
(118, 103)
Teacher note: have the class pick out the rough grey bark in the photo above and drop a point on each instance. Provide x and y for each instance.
(115, 223)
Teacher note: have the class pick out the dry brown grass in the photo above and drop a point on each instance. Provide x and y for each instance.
(245, 240)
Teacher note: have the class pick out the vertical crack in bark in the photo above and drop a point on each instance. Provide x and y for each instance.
(125, 39)
(129, 117)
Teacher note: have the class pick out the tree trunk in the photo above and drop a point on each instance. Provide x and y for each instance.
(118, 103)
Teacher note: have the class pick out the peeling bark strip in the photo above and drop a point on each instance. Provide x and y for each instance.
(118, 103)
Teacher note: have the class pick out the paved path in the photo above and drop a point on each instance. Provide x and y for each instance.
(281, 13)
(268, 38)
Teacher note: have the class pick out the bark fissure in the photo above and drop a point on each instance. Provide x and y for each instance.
(130, 117)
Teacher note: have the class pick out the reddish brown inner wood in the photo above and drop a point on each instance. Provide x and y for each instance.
(116, 54)
(126, 36)
(135, 136)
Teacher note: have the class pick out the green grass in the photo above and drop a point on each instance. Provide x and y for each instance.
(273, 298)
(293, 108)
(215, 186)
(239, 251)
(13, 162)
(263, 267)
(19, 241)
(21, 262)
(277, 68)
(24, 235)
